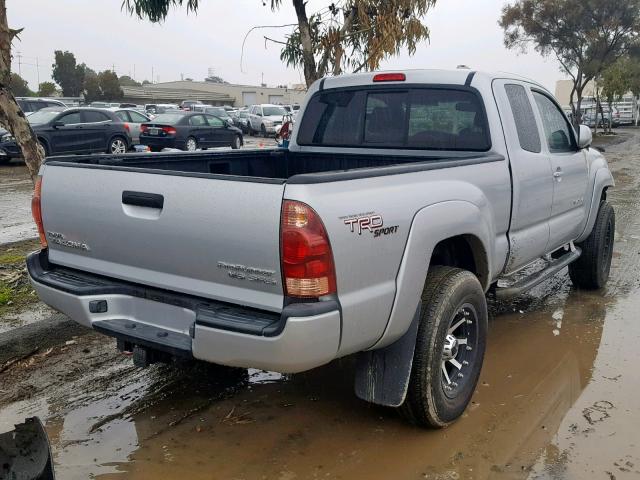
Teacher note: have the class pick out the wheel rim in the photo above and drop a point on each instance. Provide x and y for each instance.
(236, 142)
(118, 146)
(191, 145)
(459, 351)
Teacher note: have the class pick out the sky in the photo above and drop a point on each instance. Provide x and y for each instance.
(104, 37)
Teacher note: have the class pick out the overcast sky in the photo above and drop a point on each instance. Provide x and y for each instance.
(101, 35)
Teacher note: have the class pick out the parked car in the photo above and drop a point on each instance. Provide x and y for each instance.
(29, 105)
(187, 104)
(404, 197)
(73, 130)
(157, 108)
(265, 118)
(189, 131)
(220, 113)
(132, 120)
(242, 121)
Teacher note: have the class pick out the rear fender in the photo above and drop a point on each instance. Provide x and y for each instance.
(602, 180)
(430, 226)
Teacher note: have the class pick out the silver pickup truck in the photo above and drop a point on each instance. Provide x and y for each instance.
(403, 200)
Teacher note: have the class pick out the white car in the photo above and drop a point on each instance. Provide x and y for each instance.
(265, 119)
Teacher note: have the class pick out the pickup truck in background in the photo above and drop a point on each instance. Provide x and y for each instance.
(403, 199)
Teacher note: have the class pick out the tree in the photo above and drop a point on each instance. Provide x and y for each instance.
(146, 82)
(615, 82)
(110, 86)
(46, 89)
(356, 35)
(19, 86)
(11, 116)
(127, 81)
(67, 74)
(585, 36)
(91, 87)
(215, 79)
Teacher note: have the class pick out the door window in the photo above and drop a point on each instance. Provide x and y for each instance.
(197, 120)
(215, 122)
(71, 118)
(138, 117)
(95, 117)
(525, 121)
(122, 115)
(556, 127)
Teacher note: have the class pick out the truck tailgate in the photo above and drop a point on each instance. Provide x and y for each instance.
(209, 237)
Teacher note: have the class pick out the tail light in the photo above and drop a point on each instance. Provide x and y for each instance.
(126, 127)
(307, 260)
(143, 128)
(169, 130)
(36, 211)
(389, 77)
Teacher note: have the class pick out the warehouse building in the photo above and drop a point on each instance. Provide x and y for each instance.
(213, 93)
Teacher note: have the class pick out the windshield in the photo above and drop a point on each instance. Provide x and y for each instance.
(267, 111)
(168, 118)
(417, 118)
(220, 112)
(42, 116)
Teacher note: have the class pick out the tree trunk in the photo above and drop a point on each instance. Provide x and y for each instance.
(11, 116)
(308, 60)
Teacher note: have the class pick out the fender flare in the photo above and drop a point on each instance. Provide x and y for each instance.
(602, 180)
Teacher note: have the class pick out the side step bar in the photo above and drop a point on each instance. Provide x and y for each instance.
(527, 283)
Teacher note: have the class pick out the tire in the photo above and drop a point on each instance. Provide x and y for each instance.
(191, 145)
(263, 131)
(117, 146)
(591, 270)
(5, 160)
(44, 147)
(236, 143)
(454, 308)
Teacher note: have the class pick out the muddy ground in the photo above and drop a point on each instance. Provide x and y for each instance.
(557, 398)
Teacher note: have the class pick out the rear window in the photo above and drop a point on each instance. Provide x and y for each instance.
(421, 118)
(168, 118)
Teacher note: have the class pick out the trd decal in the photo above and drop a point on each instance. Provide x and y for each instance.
(369, 222)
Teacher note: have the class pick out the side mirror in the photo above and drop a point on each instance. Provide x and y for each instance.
(228, 122)
(57, 124)
(584, 137)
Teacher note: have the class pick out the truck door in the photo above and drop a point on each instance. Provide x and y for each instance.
(532, 179)
(570, 172)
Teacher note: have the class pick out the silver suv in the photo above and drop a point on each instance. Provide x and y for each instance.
(265, 119)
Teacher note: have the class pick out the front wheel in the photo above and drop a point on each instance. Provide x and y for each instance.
(449, 348)
(236, 143)
(263, 131)
(591, 270)
(191, 145)
(117, 146)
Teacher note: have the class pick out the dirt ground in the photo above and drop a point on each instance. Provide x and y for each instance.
(557, 398)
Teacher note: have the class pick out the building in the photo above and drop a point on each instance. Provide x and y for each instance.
(563, 92)
(212, 93)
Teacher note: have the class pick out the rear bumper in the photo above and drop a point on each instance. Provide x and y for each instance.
(161, 142)
(301, 337)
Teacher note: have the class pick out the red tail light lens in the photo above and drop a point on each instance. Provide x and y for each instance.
(169, 130)
(307, 260)
(389, 77)
(126, 127)
(143, 128)
(36, 211)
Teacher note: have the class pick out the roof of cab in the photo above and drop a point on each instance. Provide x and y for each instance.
(460, 76)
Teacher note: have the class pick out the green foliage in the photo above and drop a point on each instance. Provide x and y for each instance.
(92, 91)
(215, 79)
(68, 74)
(146, 82)
(110, 86)
(616, 80)
(46, 89)
(19, 86)
(156, 10)
(127, 81)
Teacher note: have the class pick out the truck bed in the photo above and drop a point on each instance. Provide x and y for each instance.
(276, 166)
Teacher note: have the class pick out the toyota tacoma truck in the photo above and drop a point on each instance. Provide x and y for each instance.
(403, 200)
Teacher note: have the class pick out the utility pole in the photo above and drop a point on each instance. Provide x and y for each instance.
(38, 71)
(113, 67)
(152, 74)
(19, 55)
(134, 71)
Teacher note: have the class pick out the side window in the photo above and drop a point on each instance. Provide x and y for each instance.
(95, 117)
(215, 122)
(70, 118)
(122, 115)
(197, 120)
(556, 128)
(138, 117)
(528, 133)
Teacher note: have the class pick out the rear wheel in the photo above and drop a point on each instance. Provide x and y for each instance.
(591, 270)
(236, 143)
(449, 348)
(263, 131)
(191, 145)
(44, 147)
(117, 145)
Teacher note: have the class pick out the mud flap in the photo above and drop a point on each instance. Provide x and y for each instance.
(382, 376)
(25, 452)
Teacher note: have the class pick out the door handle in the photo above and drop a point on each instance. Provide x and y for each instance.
(557, 173)
(142, 199)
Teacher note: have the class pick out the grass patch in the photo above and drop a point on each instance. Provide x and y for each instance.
(15, 290)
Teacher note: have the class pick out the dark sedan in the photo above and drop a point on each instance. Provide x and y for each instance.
(189, 131)
(73, 130)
